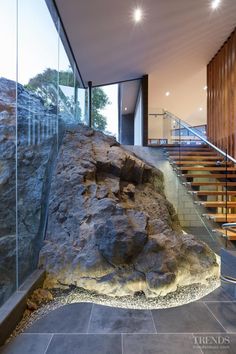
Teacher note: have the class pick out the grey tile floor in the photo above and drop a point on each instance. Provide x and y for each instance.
(206, 326)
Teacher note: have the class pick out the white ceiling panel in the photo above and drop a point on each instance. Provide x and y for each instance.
(177, 36)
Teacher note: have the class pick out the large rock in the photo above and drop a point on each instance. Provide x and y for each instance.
(111, 229)
(122, 237)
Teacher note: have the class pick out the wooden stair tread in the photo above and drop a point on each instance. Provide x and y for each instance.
(193, 152)
(189, 150)
(190, 168)
(222, 217)
(229, 234)
(214, 192)
(212, 163)
(194, 158)
(177, 146)
(218, 204)
(190, 155)
(199, 146)
(210, 175)
(198, 184)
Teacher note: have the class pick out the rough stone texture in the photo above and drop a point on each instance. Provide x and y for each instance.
(33, 161)
(110, 229)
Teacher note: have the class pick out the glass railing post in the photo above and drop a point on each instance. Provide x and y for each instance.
(90, 103)
(179, 165)
(226, 195)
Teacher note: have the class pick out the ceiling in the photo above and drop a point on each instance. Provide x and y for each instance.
(178, 37)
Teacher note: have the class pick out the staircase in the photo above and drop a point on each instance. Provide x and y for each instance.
(210, 180)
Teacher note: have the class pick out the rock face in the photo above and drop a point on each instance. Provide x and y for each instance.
(111, 229)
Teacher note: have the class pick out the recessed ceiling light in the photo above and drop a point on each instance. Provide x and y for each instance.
(126, 108)
(205, 88)
(138, 15)
(167, 93)
(215, 4)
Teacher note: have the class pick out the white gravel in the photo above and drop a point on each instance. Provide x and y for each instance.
(180, 297)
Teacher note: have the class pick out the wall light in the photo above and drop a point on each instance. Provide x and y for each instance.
(200, 109)
(205, 88)
(167, 93)
(215, 4)
(138, 15)
(126, 108)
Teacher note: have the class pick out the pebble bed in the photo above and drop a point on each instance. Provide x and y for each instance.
(180, 297)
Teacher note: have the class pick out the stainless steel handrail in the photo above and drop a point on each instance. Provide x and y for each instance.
(228, 279)
(185, 125)
(228, 225)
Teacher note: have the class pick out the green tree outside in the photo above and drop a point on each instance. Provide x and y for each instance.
(45, 86)
(99, 101)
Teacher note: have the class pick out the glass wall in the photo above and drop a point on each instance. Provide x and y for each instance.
(7, 149)
(138, 121)
(130, 113)
(40, 93)
(105, 109)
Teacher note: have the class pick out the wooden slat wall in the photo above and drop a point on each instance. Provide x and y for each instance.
(221, 97)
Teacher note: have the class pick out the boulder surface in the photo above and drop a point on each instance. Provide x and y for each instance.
(111, 229)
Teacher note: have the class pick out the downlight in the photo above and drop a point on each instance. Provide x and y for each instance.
(215, 4)
(138, 15)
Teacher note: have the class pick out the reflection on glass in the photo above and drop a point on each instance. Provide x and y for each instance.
(49, 96)
(37, 128)
(7, 150)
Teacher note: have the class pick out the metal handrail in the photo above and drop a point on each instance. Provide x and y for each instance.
(228, 225)
(185, 125)
(228, 279)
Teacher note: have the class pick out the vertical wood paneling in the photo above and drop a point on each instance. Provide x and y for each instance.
(221, 97)
(234, 90)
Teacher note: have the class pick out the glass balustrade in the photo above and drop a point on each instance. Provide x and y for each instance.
(207, 198)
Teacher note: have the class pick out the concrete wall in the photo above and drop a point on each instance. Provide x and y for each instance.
(127, 129)
(175, 192)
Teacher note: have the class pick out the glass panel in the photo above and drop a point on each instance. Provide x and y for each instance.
(109, 108)
(66, 90)
(33, 113)
(7, 149)
(37, 126)
(105, 109)
(130, 114)
(138, 121)
(202, 196)
(82, 105)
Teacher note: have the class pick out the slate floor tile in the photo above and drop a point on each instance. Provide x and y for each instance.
(28, 344)
(73, 318)
(216, 343)
(225, 312)
(159, 344)
(105, 319)
(85, 344)
(217, 295)
(190, 318)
